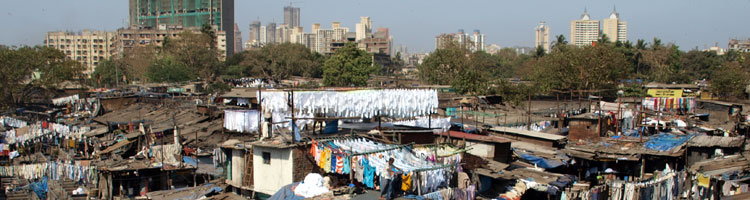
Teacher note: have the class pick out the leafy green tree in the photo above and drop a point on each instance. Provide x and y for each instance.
(581, 68)
(442, 65)
(730, 80)
(168, 70)
(111, 72)
(27, 70)
(197, 52)
(279, 61)
(348, 66)
(539, 52)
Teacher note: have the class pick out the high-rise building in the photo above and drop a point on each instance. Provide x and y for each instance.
(134, 36)
(270, 33)
(237, 39)
(291, 16)
(542, 36)
(584, 31)
(363, 28)
(477, 40)
(739, 45)
(186, 13)
(255, 31)
(473, 42)
(615, 29)
(88, 47)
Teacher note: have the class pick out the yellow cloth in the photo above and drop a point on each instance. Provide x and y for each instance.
(322, 161)
(703, 180)
(327, 167)
(406, 182)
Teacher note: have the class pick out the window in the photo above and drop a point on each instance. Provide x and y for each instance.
(266, 158)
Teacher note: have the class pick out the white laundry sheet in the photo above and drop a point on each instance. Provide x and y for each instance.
(241, 120)
(443, 123)
(399, 103)
(65, 100)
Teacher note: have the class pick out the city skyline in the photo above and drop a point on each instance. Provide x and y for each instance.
(688, 24)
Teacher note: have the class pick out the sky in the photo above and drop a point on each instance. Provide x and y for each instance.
(415, 23)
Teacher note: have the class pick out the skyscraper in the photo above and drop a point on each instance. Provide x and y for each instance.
(584, 31)
(542, 36)
(291, 16)
(187, 13)
(270, 33)
(477, 40)
(237, 39)
(364, 28)
(615, 29)
(254, 33)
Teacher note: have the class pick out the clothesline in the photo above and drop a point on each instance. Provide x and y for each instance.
(54, 170)
(383, 150)
(12, 122)
(434, 168)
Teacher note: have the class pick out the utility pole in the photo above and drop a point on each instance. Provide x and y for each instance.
(528, 112)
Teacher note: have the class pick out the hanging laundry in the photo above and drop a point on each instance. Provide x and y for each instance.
(241, 120)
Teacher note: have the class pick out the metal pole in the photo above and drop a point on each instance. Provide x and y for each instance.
(260, 112)
(528, 114)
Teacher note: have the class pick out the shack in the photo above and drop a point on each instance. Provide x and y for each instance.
(489, 147)
(544, 139)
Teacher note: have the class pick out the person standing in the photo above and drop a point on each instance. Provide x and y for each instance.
(386, 180)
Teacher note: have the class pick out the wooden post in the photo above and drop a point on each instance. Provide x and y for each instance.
(260, 112)
(559, 114)
(528, 114)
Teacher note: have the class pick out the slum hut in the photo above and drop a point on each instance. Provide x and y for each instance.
(705, 147)
(133, 178)
(723, 177)
(242, 97)
(588, 126)
(489, 147)
(272, 163)
(627, 156)
(720, 110)
(544, 139)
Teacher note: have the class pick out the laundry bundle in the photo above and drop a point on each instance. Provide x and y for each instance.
(65, 100)
(241, 120)
(399, 103)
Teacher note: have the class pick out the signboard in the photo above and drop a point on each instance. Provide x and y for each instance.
(665, 93)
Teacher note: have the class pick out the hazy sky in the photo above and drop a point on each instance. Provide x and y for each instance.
(414, 23)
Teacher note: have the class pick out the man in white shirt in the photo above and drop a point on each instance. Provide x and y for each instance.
(386, 180)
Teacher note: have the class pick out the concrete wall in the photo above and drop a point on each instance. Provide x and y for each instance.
(238, 167)
(269, 178)
(483, 150)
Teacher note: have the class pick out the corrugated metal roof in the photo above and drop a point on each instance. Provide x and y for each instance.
(533, 134)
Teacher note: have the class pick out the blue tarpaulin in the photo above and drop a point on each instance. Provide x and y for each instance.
(540, 162)
(331, 127)
(286, 193)
(666, 142)
(190, 161)
(40, 188)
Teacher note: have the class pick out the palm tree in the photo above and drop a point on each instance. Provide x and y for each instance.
(560, 42)
(641, 44)
(656, 44)
(604, 39)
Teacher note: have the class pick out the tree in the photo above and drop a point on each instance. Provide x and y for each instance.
(26, 70)
(348, 66)
(137, 60)
(581, 68)
(279, 61)
(196, 52)
(729, 80)
(539, 52)
(168, 70)
(110, 72)
(560, 42)
(443, 65)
